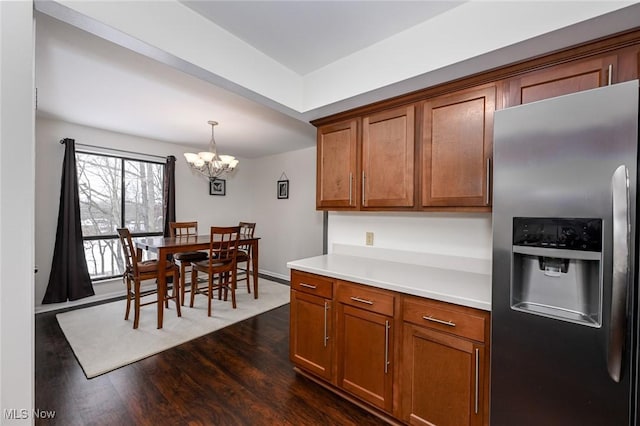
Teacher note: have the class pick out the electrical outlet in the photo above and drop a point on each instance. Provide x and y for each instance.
(369, 238)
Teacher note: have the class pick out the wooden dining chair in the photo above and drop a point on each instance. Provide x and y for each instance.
(244, 254)
(221, 265)
(185, 230)
(137, 270)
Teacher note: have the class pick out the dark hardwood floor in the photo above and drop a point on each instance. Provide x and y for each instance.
(240, 375)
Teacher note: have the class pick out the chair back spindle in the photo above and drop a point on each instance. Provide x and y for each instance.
(137, 271)
(183, 229)
(245, 254)
(223, 250)
(224, 244)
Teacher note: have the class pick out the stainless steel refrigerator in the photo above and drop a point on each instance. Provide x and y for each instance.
(564, 326)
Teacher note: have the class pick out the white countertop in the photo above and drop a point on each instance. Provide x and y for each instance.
(447, 285)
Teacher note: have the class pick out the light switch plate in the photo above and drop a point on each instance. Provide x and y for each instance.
(369, 238)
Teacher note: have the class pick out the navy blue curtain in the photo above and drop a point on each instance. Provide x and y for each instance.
(69, 278)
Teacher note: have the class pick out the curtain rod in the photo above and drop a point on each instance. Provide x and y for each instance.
(115, 149)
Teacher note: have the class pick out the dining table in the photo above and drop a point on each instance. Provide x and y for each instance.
(165, 246)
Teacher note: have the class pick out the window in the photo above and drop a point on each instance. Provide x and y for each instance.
(116, 192)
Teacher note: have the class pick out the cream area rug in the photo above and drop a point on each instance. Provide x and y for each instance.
(103, 341)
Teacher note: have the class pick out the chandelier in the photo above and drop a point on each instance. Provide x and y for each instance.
(209, 163)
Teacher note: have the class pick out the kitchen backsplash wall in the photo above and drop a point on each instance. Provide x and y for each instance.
(449, 234)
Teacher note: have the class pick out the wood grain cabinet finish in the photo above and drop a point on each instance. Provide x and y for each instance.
(457, 143)
(388, 146)
(311, 339)
(365, 154)
(337, 166)
(401, 357)
(444, 364)
(365, 344)
(563, 79)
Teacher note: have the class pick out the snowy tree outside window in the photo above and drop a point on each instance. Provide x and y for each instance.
(116, 192)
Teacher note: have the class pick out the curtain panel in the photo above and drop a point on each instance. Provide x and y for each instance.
(169, 193)
(69, 278)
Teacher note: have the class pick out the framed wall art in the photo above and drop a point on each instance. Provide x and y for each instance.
(283, 187)
(217, 187)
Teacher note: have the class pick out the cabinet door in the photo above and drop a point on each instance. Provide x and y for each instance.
(337, 165)
(443, 379)
(563, 79)
(457, 149)
(365, 355)
(387, 158)
(310, 334)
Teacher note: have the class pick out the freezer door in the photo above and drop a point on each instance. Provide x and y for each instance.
(574, 156)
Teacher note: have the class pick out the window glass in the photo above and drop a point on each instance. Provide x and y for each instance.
(116, 192)
(143, 196)
(100, 191)
(104, 258)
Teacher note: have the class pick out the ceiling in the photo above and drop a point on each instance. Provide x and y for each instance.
(85, 79)
(307, 35)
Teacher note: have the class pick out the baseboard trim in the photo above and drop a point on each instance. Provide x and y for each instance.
(117, 295)
(274, 277)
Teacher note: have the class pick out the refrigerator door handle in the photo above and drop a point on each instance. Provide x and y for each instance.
(620, 277)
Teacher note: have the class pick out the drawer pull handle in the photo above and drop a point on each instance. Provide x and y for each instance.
(313, 287)
(357, 299)
(439, 321)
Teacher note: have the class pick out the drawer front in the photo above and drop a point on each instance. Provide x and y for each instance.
(444, 317)
(312, 284)
(363, 297)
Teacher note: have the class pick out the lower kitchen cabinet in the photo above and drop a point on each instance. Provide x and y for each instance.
(444, 381)
(365, 343)
(311, 324)
(364, 354)
(444, 364)
(406, 358)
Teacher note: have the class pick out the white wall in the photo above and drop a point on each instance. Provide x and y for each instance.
(16, 212)
(286, 227)
(453, 234)
(377, 66)
(291, 228)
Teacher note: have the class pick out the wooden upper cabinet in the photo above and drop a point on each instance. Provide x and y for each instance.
(378, 157)
(337, 166)
(457, 141)
(388, 158)
(563, 79)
